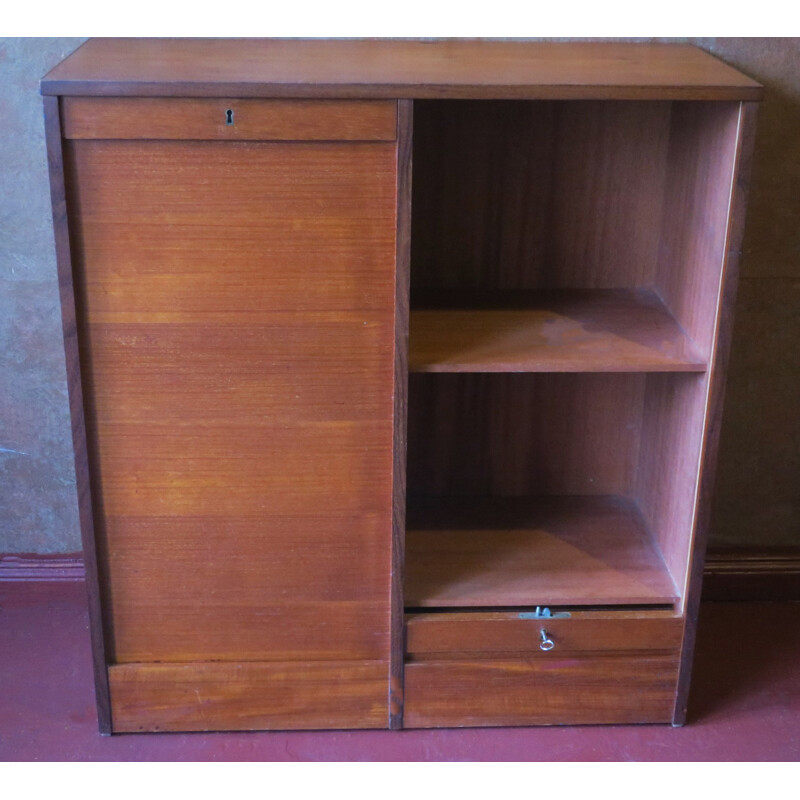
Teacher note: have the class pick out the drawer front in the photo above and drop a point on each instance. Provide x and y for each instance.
(557, 690)
(493, 668)
(228, 119)
(454, 635)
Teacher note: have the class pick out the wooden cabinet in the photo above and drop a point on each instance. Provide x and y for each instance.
(396, 372)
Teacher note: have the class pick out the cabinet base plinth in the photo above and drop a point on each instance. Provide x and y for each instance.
(219, 696)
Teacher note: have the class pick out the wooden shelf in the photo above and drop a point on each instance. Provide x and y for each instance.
(600, 330)
(512, 552)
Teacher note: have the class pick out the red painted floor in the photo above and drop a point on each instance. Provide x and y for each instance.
(745, 702)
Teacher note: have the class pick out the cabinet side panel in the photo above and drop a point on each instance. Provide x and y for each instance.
(401, 328)
(74, 385)
(702, 156)
(702, 152)
(239, 307)
(727, 299)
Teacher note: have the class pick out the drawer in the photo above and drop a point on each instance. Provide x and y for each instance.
(228, 119)
(489, 668)
(557, 690)
(490, 633)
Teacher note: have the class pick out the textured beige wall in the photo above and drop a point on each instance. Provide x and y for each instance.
(757, 499)
(38, 506)
(758, 490)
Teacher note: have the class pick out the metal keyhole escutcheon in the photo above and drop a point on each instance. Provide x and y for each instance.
(546, 642)
(229, 117)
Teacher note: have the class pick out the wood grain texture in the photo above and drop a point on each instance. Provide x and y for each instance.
(83, 475)
(532, 195)
(206, 119)
(549, 691)
(496, 435)
(401, 343)
(248, 696)
(256, 588)
(190, 227)
(716, 394)
(395, 69)
(599, 330)
(486, 634)
(239, 303)
(531, 551)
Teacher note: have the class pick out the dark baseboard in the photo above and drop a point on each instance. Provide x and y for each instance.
(750, 574)
(35, 567)
(741, 574)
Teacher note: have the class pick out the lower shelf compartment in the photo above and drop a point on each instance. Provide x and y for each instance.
(512, 552)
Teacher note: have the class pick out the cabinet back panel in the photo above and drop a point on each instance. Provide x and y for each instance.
(537, 194)
(236, 316)
(523, 434)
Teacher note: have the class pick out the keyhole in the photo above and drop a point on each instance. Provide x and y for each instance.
(229, 117)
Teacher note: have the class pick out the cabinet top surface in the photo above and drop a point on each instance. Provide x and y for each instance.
(394, 68)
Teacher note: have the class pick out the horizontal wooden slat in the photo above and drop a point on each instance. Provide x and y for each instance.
(265, 120)
(254, 371)
(260, 588)
(552, 691)
(248, 696)
(211, 228)
(165, 470)
(435, 635)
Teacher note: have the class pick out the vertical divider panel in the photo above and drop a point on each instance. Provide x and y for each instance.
(402, 265)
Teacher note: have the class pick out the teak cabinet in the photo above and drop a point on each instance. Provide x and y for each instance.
(361, 444)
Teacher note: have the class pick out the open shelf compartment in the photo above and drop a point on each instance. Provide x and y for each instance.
(523, 552)
(565, 277)
(530, 489)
